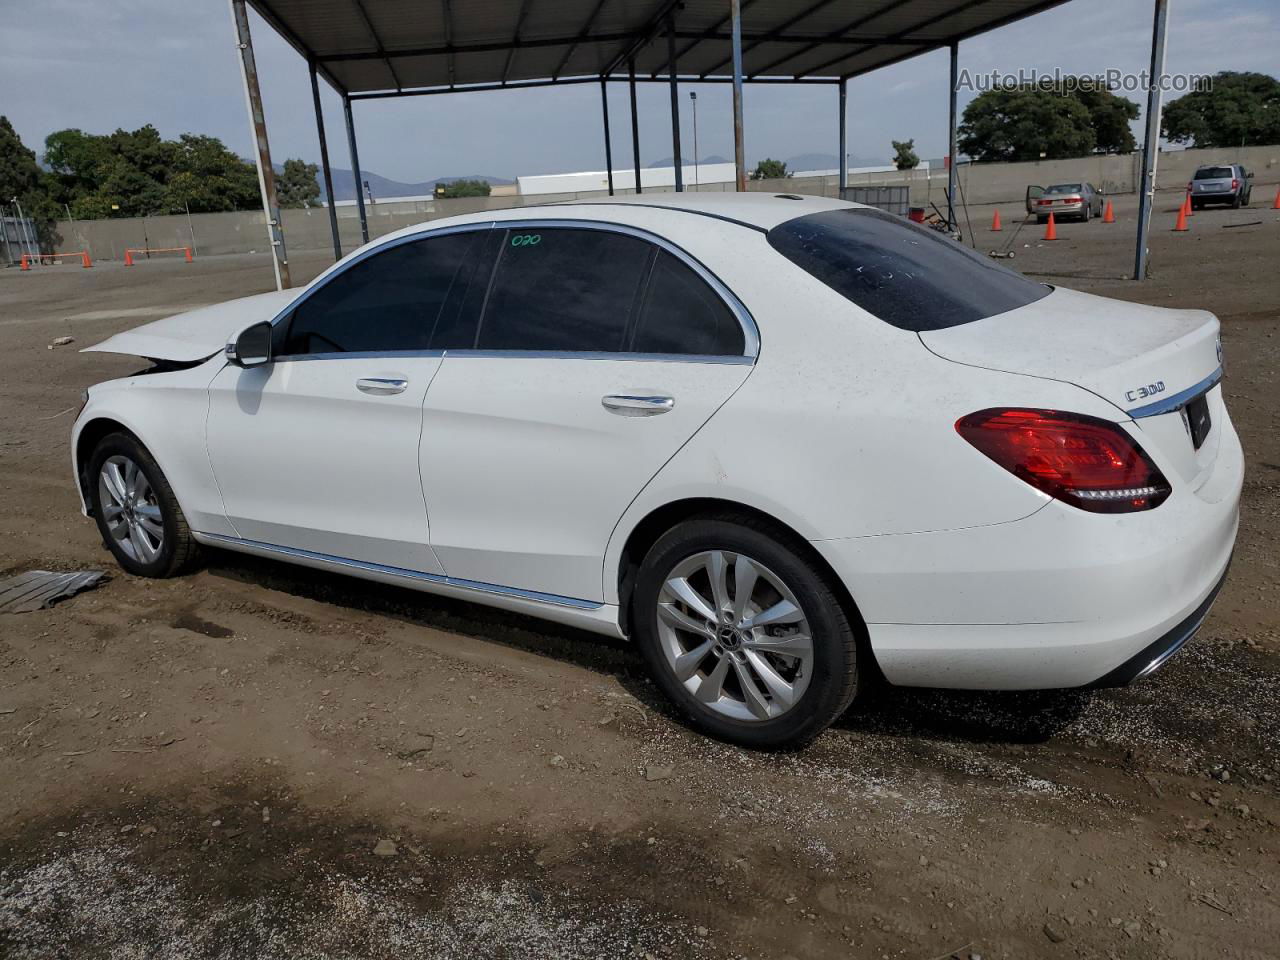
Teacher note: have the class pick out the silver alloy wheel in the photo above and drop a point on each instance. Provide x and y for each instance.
(735, 635)
(129, 509)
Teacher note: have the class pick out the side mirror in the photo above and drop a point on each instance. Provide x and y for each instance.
(252, 346)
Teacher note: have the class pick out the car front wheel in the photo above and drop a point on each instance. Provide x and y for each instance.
(744, 633)
(136, 511)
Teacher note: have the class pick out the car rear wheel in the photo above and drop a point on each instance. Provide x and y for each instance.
(136, 511)
(1087, 212)
(743, 633)
(1235, 202)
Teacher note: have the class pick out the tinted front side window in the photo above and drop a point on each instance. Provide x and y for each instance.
(387, 302)
(681, 314)
(907, 276)
(563, 289)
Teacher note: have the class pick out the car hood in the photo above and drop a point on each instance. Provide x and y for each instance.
(196, 334)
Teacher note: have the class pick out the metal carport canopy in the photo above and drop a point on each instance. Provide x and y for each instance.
(396, 47)
(370, 49)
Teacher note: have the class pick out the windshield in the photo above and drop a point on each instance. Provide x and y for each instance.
(908, 276)
(1214, 173)
(1065, 188)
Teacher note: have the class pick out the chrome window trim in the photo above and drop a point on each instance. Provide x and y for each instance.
(732, 359)
(475, 586)
(750, 332)
(361, 255)
(360, 355)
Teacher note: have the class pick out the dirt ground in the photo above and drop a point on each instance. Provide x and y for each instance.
(203, 767)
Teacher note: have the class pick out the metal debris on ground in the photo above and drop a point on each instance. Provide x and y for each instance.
(37, 589)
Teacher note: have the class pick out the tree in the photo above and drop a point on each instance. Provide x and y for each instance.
(904, 155)
(1242, 109)
(21, 179)
(768, 169)
(1110, 116)
(19, 172)
(139, 173)
(1023, 123)
(464, 188)
(296, 186)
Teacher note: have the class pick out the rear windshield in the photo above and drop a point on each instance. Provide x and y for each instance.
(908, 276)
(1214, 173)
(1063, 188)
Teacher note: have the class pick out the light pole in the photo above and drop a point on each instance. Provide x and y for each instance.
(693, 97)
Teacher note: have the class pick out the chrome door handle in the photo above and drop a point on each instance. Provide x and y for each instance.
(382, 386)
(626, 405)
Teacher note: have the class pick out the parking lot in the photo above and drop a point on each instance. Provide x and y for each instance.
(261, 760)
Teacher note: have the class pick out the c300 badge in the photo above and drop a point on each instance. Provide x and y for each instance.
(1141, 393)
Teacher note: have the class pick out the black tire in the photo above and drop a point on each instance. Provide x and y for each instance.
(178, 550)
(1084, 217)
(1235, 202)
(1042, 220)
(1196, 206)
(835, 677)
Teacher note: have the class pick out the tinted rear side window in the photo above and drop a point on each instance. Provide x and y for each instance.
(680, 314)
(387, 302)
(563, 289)
(907, 276)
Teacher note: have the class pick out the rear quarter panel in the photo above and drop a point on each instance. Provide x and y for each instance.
(845, 427)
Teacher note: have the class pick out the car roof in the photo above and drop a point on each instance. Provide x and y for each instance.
(754, 208)
(755, 211)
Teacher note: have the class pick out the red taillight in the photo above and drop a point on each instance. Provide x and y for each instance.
(1086, 462)
(1045, 203)
(1235, 184)
(1071, 200)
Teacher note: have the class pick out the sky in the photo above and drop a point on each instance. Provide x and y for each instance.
(101, 65)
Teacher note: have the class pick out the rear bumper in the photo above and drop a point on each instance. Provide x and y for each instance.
(1059, 209)
(1058, 599)
(1150, 659)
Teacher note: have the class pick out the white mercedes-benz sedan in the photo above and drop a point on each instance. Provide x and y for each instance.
(786, 444)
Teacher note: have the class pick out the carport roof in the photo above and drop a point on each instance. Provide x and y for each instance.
(396, 47)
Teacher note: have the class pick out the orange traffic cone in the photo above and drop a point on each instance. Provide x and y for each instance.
(995, 223)
(1181, 225)
(1109, 215)
(1276, 205)
(128, 258)
(1051, 231)
(85, 261)
(188, 250)
(1191, 211)
(26, 263)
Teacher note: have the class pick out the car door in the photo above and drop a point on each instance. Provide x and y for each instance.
(597, 352)
(1034, 193)
(318, 449)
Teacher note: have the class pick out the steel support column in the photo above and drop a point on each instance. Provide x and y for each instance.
(608, 143)
(258, 125)
(325, 171)
(951, 138)
(843, 180)
(1151, 143)
(355, 168)
(635, 124)
(739, 150)
(678, 162)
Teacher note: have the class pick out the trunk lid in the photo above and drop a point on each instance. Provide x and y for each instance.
(1150, 362)
(197, 334)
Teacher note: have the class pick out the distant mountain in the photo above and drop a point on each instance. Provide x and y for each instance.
(384, 188)
(829, 161)
(688, 161)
